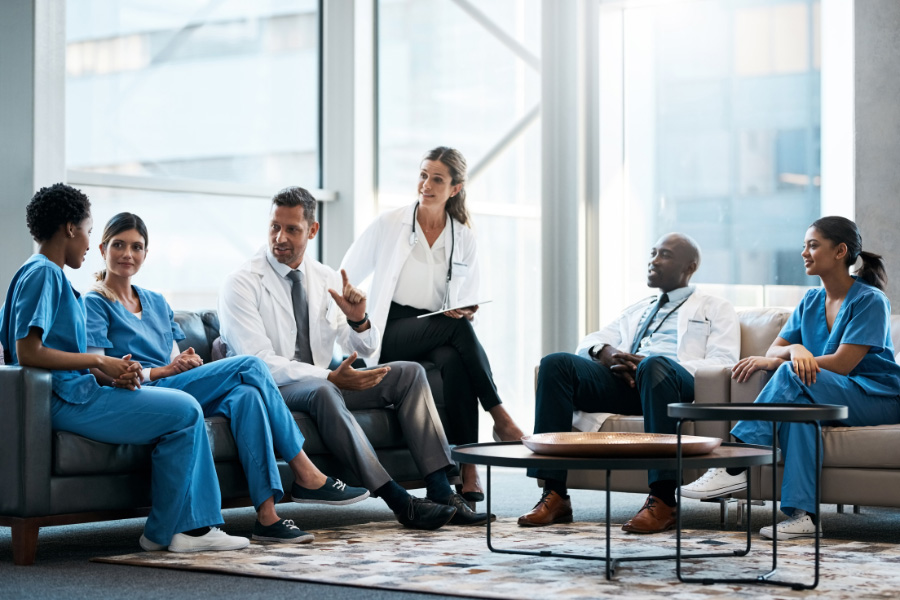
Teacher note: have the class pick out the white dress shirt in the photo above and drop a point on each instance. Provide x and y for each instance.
(423, 277)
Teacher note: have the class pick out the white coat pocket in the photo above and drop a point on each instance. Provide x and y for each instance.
(460, 270)
(695, 338)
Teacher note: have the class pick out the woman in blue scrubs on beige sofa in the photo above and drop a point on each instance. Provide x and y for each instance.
(835, 349)
(126, 319)
(42, 324)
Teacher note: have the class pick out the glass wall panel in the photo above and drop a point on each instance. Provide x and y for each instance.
(710, 125)
(226, 91)
(466, 75)
(196, 240)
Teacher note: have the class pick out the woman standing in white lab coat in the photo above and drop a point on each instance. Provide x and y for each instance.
(423, 259)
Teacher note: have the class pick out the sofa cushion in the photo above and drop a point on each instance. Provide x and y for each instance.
(200, 328)
(862, 447)
(77, 455)
(759, 328)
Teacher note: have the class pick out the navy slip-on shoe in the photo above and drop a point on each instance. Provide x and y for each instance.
(334, 492)
(283, 531)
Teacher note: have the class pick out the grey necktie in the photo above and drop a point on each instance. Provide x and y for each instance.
(302, 351)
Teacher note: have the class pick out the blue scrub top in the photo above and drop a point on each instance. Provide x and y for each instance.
(864, 319)
(41, 296)
(119, 332)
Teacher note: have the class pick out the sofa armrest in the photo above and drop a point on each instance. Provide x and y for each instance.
(746, 393)
(25, 441)
(712, 385)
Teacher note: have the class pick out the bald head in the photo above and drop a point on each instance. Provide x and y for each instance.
(673, 261)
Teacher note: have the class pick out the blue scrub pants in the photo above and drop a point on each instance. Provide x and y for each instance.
(568, 382)
(242, 390)
(797, 440)
(184, 488)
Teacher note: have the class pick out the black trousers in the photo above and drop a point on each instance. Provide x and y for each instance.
(567, 382)
(452, 345)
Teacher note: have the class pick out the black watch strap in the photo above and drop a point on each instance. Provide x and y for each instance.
(358, 324)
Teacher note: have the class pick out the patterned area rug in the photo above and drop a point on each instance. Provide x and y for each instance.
(456, 561)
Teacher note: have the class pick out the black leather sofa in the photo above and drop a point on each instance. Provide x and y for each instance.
(58, 478)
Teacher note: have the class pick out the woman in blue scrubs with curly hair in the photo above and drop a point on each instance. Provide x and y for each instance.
(42, 324)
(124, 319)
(835, 349)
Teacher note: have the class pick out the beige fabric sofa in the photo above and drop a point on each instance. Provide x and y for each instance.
(861, 464)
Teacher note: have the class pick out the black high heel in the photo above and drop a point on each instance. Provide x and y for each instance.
(470, 497)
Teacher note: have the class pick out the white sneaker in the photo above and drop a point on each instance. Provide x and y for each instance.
(150, 546)
(216, 539)
(715, 482)
(794, 527)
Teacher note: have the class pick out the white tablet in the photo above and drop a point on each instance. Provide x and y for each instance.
(442, 311)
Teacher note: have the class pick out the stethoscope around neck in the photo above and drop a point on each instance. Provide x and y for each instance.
(414, 239)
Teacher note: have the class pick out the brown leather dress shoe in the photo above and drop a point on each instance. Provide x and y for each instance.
(551, 508)
(654, 517)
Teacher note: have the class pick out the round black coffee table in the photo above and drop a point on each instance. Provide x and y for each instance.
(776, 413)
(515, 454)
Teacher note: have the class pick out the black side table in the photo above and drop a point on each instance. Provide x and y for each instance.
(515, 454)
(776, 413)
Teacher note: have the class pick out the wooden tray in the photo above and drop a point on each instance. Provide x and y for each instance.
(617, 444)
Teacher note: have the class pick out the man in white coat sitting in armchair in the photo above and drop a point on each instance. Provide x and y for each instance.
(289, 310)
(637, 365)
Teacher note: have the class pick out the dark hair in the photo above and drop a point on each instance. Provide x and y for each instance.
(840, 230)
(55, 206)
(297, 196)
(456, 164)
(124, 221)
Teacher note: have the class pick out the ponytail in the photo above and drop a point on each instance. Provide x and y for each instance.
(873, 270)
(101, 288)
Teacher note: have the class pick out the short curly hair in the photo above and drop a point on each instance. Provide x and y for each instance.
(53, 206)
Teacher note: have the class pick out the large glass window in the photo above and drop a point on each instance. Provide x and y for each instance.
(220, 94)
(467, 75)
(710, 125)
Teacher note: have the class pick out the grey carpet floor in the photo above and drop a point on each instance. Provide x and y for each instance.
(63, 569)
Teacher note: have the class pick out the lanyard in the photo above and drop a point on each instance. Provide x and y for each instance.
(660, 324)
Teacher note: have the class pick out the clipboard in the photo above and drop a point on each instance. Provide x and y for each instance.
(443, 310)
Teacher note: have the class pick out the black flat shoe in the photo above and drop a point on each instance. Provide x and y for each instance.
(465, 515)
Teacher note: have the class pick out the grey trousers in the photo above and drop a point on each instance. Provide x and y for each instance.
(404, 389)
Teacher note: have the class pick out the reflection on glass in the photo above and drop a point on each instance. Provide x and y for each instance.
(221, 91)
(709, 125)
(449, 77)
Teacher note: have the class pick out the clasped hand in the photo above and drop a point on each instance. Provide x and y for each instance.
(185, 361)
(622, 364)
(124, 372)
(351, 300)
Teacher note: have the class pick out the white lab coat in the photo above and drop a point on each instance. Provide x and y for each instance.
(256, 317)
(382, 250)
(708, 332)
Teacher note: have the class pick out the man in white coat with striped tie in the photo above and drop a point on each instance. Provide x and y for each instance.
(289, 311)
(637, 365)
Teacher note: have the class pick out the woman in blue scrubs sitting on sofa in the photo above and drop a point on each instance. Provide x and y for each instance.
(835, 349)
(125, 319)
(42, 325)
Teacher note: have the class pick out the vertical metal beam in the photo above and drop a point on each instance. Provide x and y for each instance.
(348, 113)
(32, 117)
(564, 170)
